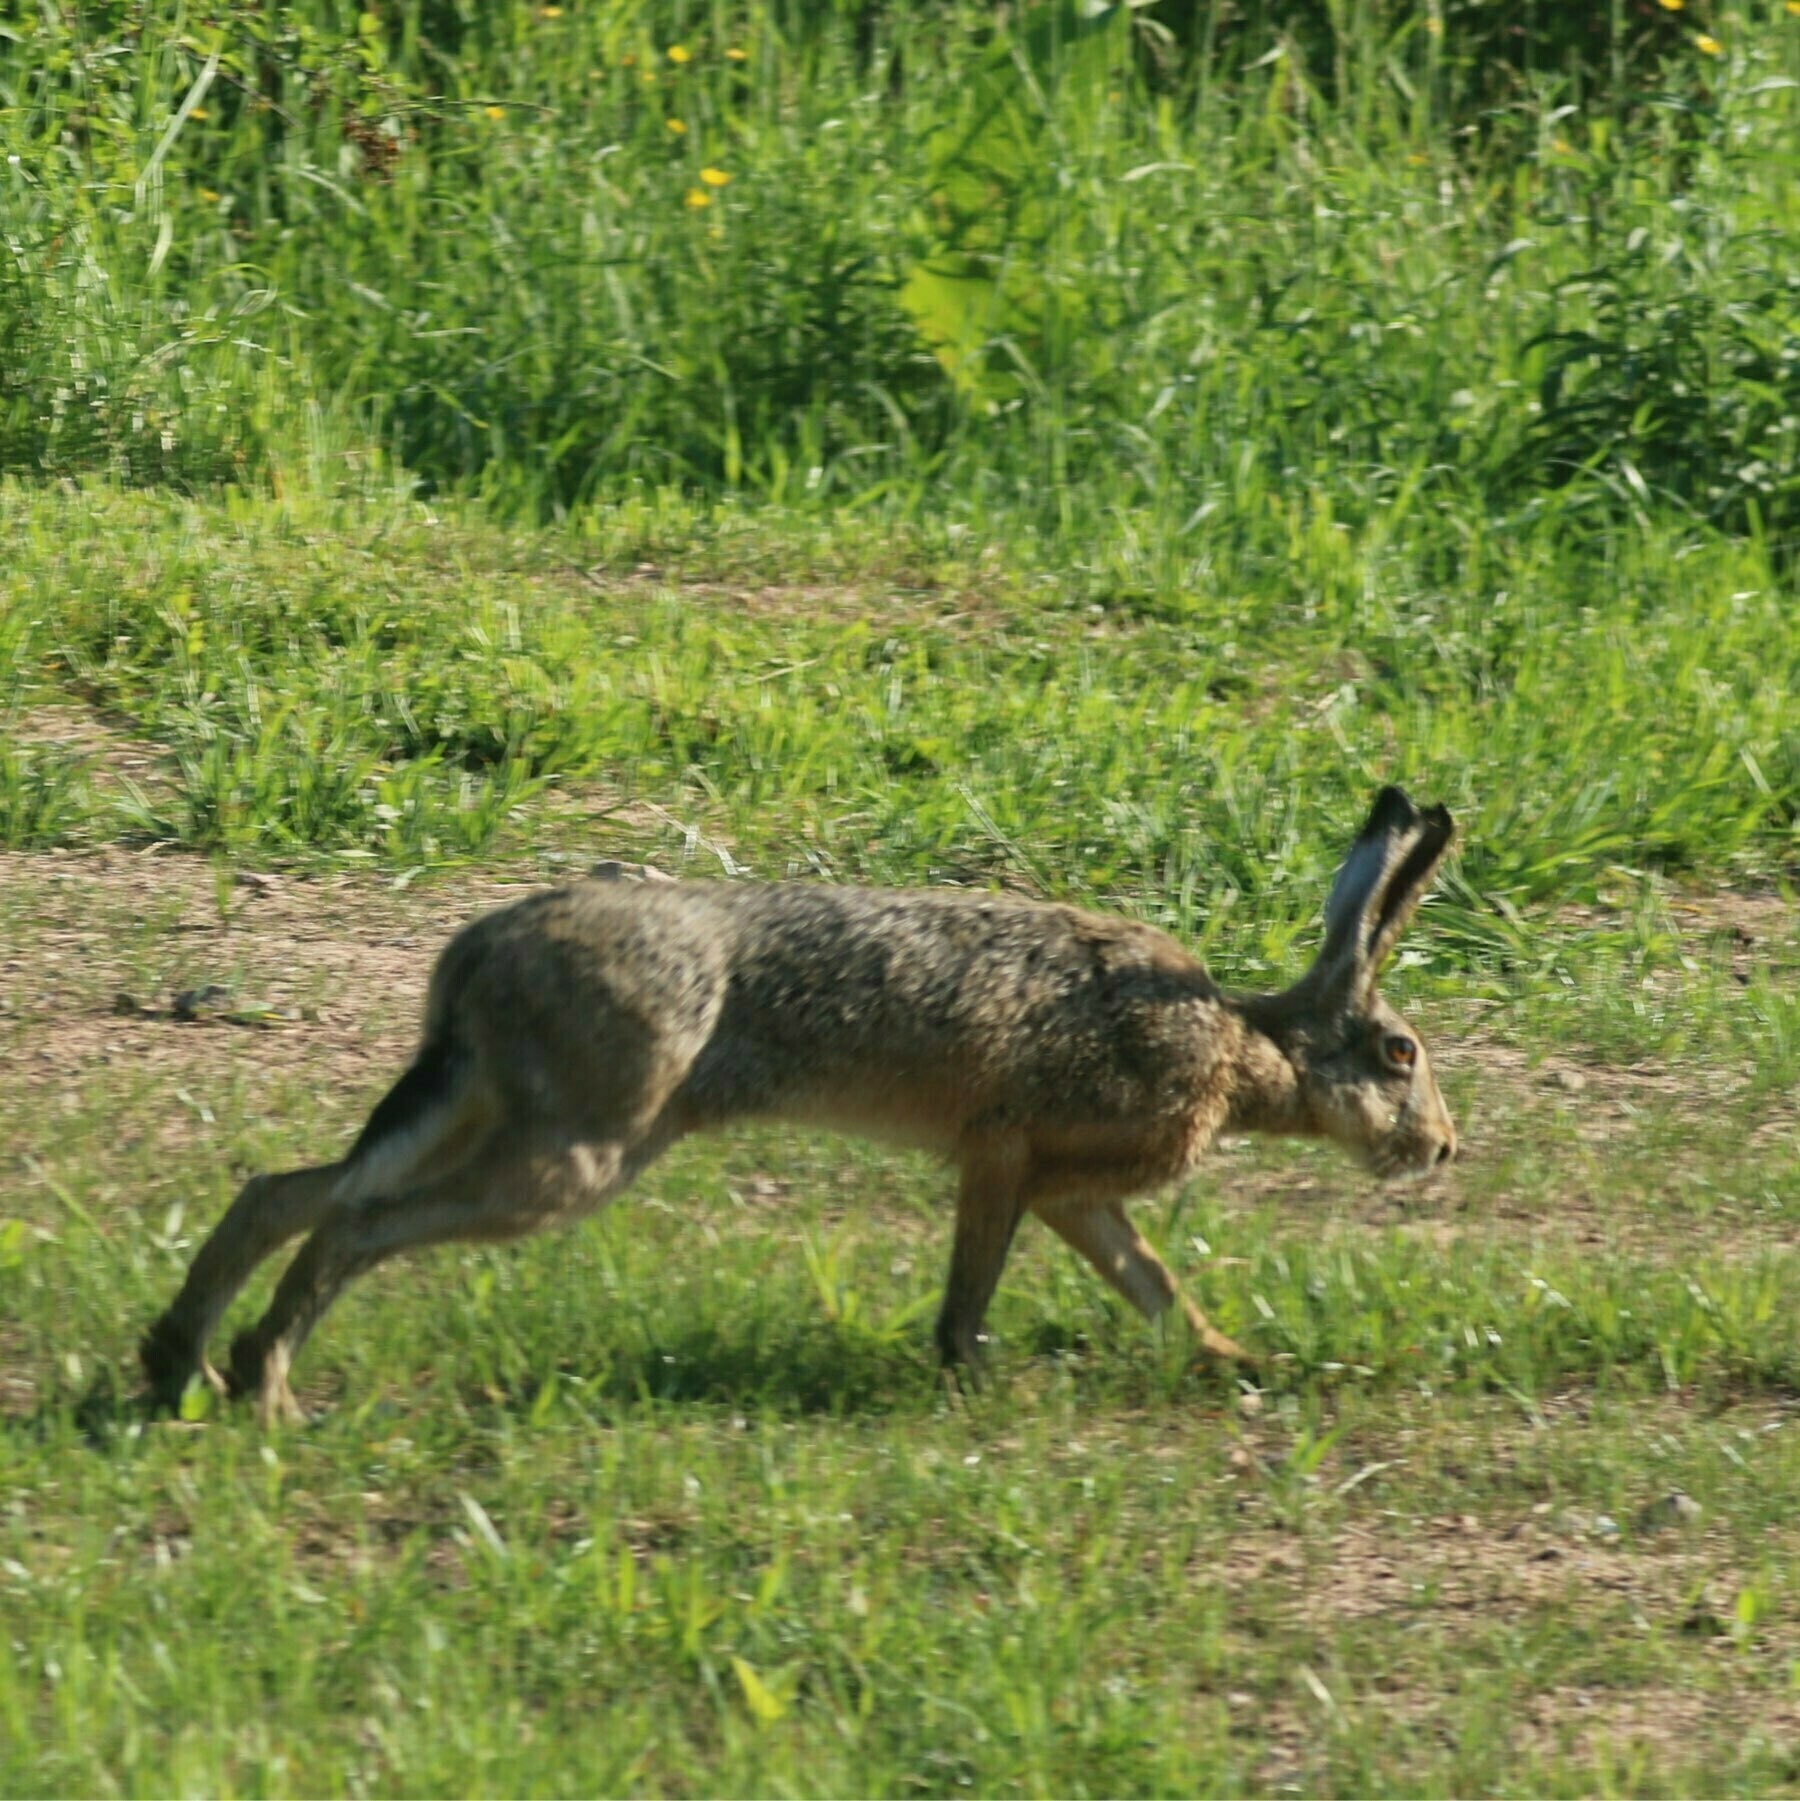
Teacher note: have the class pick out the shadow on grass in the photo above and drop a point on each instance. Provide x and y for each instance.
(816, 1367)
(803, 1368)
(799, 1364)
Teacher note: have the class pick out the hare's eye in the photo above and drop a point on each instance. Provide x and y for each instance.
(1399, 1050)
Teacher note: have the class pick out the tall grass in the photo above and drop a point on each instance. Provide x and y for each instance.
(1126, 285)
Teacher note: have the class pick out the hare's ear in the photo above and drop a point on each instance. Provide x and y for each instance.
(1385, 876)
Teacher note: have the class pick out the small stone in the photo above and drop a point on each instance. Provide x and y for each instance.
(1672, 1509)
(257, 882)
(610, 869)
(1250, 1403)
(126, 1005)
(1571, 1081)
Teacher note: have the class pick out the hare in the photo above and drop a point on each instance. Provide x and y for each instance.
(1061, 1060)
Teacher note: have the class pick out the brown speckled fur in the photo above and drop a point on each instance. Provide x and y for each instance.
(1059, 1059)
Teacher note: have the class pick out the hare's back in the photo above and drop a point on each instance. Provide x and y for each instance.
(912, 1011)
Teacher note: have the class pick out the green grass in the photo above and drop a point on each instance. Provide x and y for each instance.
(677, 1502)
(1081, 456)
(1174, 309)
(324, 679)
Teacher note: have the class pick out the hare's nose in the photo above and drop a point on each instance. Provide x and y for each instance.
(1446, 1151)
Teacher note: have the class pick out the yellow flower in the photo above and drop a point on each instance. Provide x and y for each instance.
(628, 60)
(1793, 6)
(549, 12)
(677, 126)
(199, 112)
(495, 112)
(648, 78)
(1434, 27)
(1673, 6)
(698, 197)
(208, 194)
(679, 54)
(1708, 46)
(714, 178)
(735, 55)
(1562, 146)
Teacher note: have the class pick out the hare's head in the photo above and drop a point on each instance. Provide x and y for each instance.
(1360, 1075)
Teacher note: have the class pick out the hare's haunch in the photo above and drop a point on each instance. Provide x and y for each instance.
(1061, 1060)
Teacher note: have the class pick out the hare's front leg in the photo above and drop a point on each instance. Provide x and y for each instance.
(1114, 1246)
(989, 1203)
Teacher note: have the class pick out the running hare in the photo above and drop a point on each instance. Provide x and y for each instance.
(1059, 1059)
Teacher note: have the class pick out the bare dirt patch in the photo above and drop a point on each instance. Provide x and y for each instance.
(942, 609)
(1673, 1724)
(1482, 1569)
(330, 970)
(109, 752)
(1676, 1729)
(1439, 1583)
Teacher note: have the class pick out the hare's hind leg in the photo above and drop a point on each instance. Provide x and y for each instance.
(430, 1117)
(268, 1211)
(1114, 1246)
(511, 1186)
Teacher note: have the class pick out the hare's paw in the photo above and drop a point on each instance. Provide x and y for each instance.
(170, 1358)
(259, 1373)
(1216, 1344)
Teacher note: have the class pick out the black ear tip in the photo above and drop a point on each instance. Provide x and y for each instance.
(1392, 811)
(1438, 818)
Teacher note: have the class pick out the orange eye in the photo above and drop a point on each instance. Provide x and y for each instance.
(1400, 1052)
